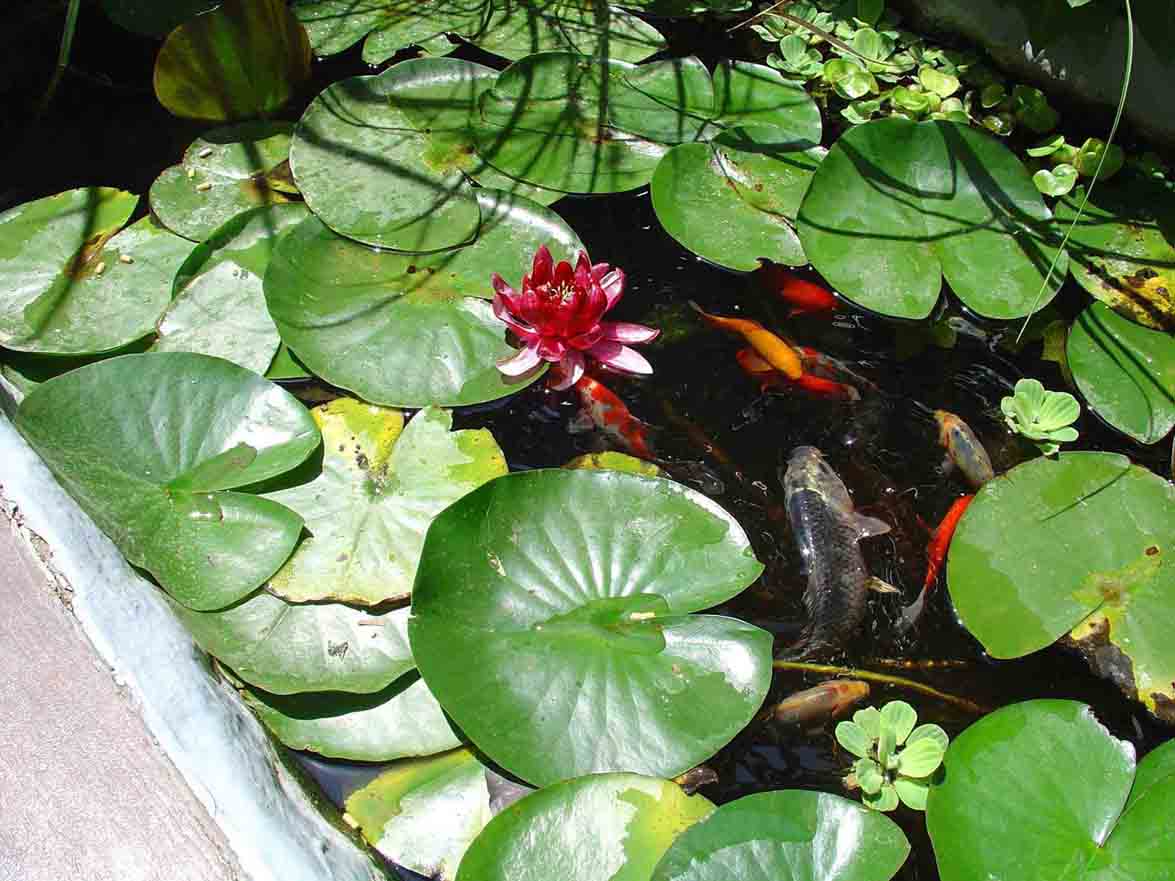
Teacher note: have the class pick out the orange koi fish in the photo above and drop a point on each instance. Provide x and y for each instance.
(768, 377)
(767, 345)
(805, 297)
(817, 705)
(607, 412)
(936, 553)
(964, 450)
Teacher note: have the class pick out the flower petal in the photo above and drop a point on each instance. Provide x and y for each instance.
(619, 357)
(540, 270)
(503, 290)
(613, 285)
(502, 313)
(552, 349)
(583, 271)
(568, 372)
(599, 270)
(526, 360)
(628, 332)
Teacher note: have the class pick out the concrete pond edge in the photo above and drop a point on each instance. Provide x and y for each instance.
(274, 825)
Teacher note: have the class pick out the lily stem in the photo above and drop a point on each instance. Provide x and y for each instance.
(71, 25)
(886, 679)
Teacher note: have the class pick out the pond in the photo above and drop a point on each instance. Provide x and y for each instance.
(710, 426)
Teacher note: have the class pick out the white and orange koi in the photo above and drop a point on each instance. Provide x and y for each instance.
(607, 413)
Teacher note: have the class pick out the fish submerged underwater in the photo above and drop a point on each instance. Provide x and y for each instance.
(827, 531)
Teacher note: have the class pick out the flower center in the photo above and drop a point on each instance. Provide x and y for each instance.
(564, 293)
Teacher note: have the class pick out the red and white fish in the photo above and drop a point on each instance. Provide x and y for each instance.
(805, 297)
(603, 410)
(936, 554)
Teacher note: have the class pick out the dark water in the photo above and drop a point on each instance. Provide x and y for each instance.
(710, 424)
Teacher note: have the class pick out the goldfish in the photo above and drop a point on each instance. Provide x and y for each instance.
(767, 345)
(827, 531)
(812, 706)
(768, 377)
(606, 412)
(964, 450)
(936, 553)
(805, 297)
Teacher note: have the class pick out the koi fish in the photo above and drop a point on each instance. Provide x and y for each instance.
(827, 531)
(936, 553)
(964, 450)
(768, 377)
(813, 706)
(805, 297)
(767, 345)
(603, 410)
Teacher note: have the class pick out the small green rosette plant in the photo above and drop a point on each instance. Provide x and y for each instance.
(895, 760)
(1045, 418)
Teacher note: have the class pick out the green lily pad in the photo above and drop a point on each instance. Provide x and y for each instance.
(73, 285)
(734, 201)
(1056, 182)
(747, 94)
(613, 826)
(245, 58)
(1100, 528)
(219, 306)
(896, 206)
(404, 330)
(388, 25)
(788, 835)
(610, 460)
(1003, 778)
(564, 589)
(1125, 372)
(379, 490)
(423, 814)
(684, 8)
(291, 648)
(285, 366)
(223, 174)
(402, 720)
(148, 444)
(152, 18)
(1123, 249)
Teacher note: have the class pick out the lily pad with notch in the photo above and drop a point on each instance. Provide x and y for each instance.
(570, 595)
(1074, 547)
(150, 445)
(150, 18)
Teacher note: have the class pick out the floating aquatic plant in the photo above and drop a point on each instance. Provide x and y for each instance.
(558, 316)
(1045, 418)
(885, 773)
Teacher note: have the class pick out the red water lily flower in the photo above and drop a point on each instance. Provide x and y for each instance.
(558, 319)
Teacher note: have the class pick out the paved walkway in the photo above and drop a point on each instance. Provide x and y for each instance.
(85, 794)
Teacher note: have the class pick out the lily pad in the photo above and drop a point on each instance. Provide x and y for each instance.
(224, 173)
(613, 826)
(1123, 248)
(424, 813)
(566, 589)
(378, 491)
(404, 330)
(1061, 795)
(1073, 545)
(734, 201)
(219, 307)
(291, 648)
(1126, 372)
(245, 58)
(402, 720)
(747, 94)
(787, 835)
(152, 18)
(73, 284)
(896, 206)
(610, 460)
(149, 444)
(527, 27)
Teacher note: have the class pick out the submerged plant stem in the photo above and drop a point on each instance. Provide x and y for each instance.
(885, 679)
(71, 24)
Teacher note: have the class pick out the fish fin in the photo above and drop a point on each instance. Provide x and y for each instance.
(879, 585)
(868, 527)
(581, 422)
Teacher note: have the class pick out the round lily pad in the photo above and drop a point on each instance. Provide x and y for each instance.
(378, 491)
(404, 330)
(402, 720)
(1125, 372)
(1061, 796)
(243, 59)
(788, 835)
(152, 18)
(1123, 249)
(747, 94)
(219, 307)
(290, 648)
(613, 826)
(149, 444)
(734, 200)
(516, 30)
(424, 813)
(566, 589)
(610, 460)
(1074, 545)
(73, 284)
(896, 206)
(223, 173)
